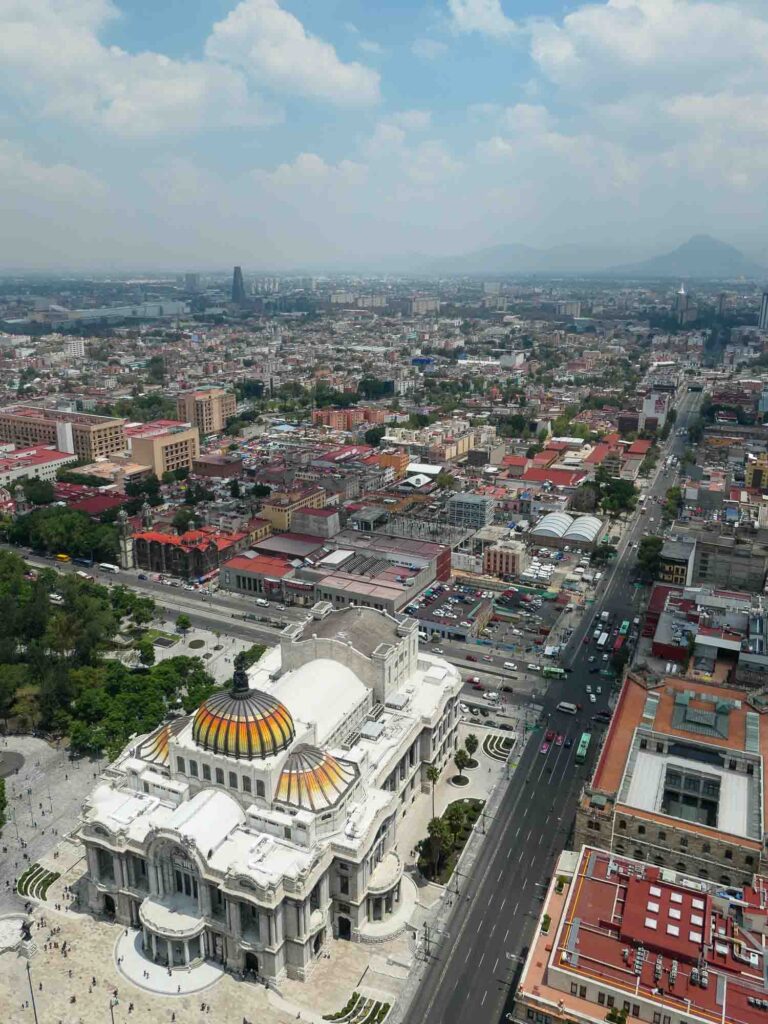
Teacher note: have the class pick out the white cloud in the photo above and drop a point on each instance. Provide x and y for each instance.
(428, 49)
(21, 174)
(412, 120)
(484, 16)
(310, 170)
(273, 47)
(50, 53)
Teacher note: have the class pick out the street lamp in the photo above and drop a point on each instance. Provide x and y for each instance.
(31, 990)
(113, 1001)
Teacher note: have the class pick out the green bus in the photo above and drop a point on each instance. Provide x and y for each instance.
(583, 747)
(624, 628)
(553, 672)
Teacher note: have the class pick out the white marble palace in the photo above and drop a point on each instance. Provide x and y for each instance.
(252, 830)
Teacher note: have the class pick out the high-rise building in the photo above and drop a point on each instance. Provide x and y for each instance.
(238, 287)
(762, 322)
(207, 410)
(191, 282)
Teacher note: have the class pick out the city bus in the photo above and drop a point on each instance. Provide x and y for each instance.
(108, 567)
(618, 644)
(624, 628)
(553, 672)
(583, 747)
(602, 640)
(567, 708)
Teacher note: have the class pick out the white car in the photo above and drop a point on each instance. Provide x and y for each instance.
(510, 665)
(437, 650)
(592, 699)
(588, 688)
(591, 658)
(463, 709)
(532, 668)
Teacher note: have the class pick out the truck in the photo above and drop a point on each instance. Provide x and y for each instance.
(605, 616)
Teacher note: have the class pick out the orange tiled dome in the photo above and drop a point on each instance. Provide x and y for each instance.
(313, 780)
(243, 723)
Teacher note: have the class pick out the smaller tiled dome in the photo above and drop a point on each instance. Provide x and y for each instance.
(313, 780)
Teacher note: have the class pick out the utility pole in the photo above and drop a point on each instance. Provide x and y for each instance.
(427, 953)
(31, 990)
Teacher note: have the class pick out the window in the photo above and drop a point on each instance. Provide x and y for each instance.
(601, 998)
(643, 744)
(287, 832)
(641, 830)
(259, 788)
(705, 847)
(574, 988)
(666, 1019)
(749, 860)
(207, 772)
(594, 825)
(344, 885)
(220, 776)
(582, 991)
(193, 768)
(623, 826)
(662, 835)
(610, 1001)
(232, 780)
(246, 784)
(657, 1018)
(659, 748)
(625, 1006)
(344, 867)
(635, 1010)
(180, 764)
(728, 854)
(683, 842)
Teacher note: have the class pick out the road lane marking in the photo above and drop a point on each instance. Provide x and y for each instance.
(467, 956)
(518, 832)
(502, 905)
(496, 965)
(484, 995)
(479, 962)
(514, 912)
(500, 874)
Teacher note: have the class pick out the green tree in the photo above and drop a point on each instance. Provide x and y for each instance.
(471, 743)
(146, 651)
(439, 842)
(234, 487)
(261, 491)
(433, 775)
(461, 760)
(649, 555)
(38, 492)
(183, 622)
(455, 819)
(183, 520)
(444, 479)
(374, 435)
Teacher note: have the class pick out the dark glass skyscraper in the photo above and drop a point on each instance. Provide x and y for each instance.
(238, 288)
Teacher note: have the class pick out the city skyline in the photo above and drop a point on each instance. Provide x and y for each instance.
(280, 135)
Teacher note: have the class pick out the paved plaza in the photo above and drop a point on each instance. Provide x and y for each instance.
(77, 962)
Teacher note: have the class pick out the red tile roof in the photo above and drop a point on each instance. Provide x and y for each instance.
(556, 477)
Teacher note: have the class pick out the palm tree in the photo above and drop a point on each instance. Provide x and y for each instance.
(433, 774)
(471, 743)
(461, 760)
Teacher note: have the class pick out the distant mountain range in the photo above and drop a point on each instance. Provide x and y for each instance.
(700, 257)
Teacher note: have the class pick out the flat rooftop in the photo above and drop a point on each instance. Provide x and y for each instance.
(647, 934)
(364, 628)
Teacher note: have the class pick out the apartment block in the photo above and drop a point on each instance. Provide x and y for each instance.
(679, 781)
(470, 511)
(620, 940)
(164, 445)
(280, 507)
(87, 436)
(208, 410)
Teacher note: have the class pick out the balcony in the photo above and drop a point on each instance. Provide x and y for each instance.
(388, 873)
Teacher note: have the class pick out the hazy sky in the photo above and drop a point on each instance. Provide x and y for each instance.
(202, 133)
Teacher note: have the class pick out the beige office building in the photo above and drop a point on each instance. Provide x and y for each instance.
(208, 410)
(165, 446)
(87, 436)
